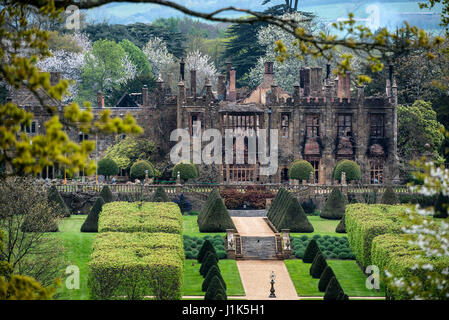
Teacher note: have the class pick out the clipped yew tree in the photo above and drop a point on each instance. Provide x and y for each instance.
(389, 196)
(160, 195)
(441, 206)
(318, 266)
(214, 217)
(215, 291)
(341, 227)
(91, 222)
(137, 170)
(209, 260)
(311, 251)
(214, 271)
(300, 170)
(335, 205)
(205, 248)
(334, 291)
(286, 213)
(54, 197)
(351, 168)
(186, 171)
(107, 167)
(325, 278)
(107, 194)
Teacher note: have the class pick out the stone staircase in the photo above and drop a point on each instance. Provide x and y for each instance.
(258, 248)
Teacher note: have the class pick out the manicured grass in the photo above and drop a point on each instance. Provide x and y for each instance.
(348, 273)
(193, 280)
(190, 227)
(322, 227)
(78, 247)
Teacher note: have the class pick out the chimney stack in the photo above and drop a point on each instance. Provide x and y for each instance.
(181, 69)
(316, 75)
(304, 81)
(328, 71)
(268, 75)
(145, 96)
(169, 81)
(221, 87)
(228, 70)
(100, 99)
(232, 92)
(344, 86)
(193, 83)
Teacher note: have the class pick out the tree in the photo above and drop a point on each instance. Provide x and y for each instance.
(137, 57)
(335, 205)
(160, 59)
(389, 196)
(351, 168)
(204, 67)
(183, 203)
(326, 276)
(160, 195)
(138, 170)
(107, 194)
(215, 291)
(130, 149)
(441, 206)
(210, 259)
(186, 171)
(91, 222)
(107, 67)
(25, 288)
(333, 290)
(55, 199)
(300, 170)
(107, 167)
(214, 271)
(205, 248)
(341, 227)
(312, 250)
(418, 130)
(36, 254)
(318, 266)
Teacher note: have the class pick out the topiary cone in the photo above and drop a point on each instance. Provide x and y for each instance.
(213, 271)
(55, 197)
(335, 205)
(107, 194)
(209, 260)
(311, 251)
(326, 276)
(160, 195)
(318, 266)
(215, 290)
(205, 248)
(333, 290)
(341, 227)
(91, 222)
(389, 196)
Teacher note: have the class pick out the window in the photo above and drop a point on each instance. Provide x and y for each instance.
(284, 175)
(195, 124)
(313, 126)
(376, 171)
(377, 125)
(29, 129)
(284, 124)
(315, 162)
(344, 125)
(82, 136)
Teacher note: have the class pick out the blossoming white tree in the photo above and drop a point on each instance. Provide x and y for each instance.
(204, 67)
(160, 59)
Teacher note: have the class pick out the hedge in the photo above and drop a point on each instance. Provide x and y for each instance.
(91, 222)
(214, 217)
(365, 222)
(286, 213)
(394, 253)
(335, 205)
(151, 217)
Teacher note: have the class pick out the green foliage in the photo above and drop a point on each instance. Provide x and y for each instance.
(91, 222)
(186, 171)
(210, 259)
(54, 197)
(341, 227)
(214, 217)
(334, 291)
(149, 217)
(138, 170)
(300, 170)
(389, 196)
(365, 222)
(160, 195)
(215, 290)
(137, 57)
(318, 265)
(441, 206)
(335, 205)
(194, 245)
(286, 213)
(351, 168)
(417, 127)
(24, 288)
(107, 194)
(107, 167)
(205, 249)
(127, 151)
(213, 271)
(325, 278)
(311, 251)
(6, 269)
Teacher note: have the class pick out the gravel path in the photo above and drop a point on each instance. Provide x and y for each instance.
(252, 226)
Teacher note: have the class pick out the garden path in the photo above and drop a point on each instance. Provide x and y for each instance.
(252, 226)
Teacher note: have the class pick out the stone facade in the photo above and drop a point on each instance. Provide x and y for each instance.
(324, 121)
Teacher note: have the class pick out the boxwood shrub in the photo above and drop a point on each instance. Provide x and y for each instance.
(191, 243)
(330, 247)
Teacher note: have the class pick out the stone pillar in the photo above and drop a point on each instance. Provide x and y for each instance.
(230, 244)
(287, 248)
(343, 179)
(180, 102)
(100, 99)
(178, 183)
(232, 91)
(145, 100)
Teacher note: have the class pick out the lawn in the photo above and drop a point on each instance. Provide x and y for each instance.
(322, 227)
(193, 280)
(190, 227)
(348, 273)
(78, 248)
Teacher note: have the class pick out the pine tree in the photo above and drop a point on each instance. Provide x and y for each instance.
(326, 276)
(206, 247)
(209, 260)
(91, 222)
(160, 195)
(311, 251)
(55, 198)
(333, 290)
(213, 271)
(107, 194)
(318, 266)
